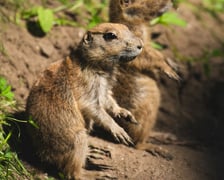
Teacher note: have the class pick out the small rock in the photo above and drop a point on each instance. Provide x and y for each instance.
(46, 48)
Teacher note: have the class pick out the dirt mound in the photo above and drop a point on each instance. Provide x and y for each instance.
(25, 56)
(191, 108)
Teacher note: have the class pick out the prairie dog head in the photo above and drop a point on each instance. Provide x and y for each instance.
(137, 10)
(110, 43)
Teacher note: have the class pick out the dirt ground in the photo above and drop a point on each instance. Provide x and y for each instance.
(191, 109)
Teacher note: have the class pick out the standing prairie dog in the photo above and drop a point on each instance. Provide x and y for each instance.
(143, 98)
(76, 88)
(136, 14)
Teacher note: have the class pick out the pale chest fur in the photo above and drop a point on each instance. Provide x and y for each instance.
(95, 90)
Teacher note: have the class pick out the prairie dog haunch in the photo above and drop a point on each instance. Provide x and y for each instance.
(78, 88)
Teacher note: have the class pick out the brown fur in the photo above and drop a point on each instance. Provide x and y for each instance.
(77, 89)
(143, 95)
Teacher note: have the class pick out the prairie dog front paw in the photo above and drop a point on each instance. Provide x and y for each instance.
(127, 115)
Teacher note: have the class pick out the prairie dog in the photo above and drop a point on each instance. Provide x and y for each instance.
(136, 15)
(79, 87)
(143, 98)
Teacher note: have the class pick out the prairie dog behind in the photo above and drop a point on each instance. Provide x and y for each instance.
(134, 79)
(136, 15)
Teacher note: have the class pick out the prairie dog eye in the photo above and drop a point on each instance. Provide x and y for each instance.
(125, 2)
(109, 36)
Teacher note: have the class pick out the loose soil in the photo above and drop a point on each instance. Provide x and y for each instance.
(192, 109)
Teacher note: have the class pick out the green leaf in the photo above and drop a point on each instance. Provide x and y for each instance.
(31, 122)
(76, 5)
(5, 90)
(8, 94)
(216, 53)
(155, 21)
(169, 18)
(64, 1)
(214, 5)
(27, 14)
(3, 84)
(94, 21)
(62, 21)
(46, 19)
(9, 155)
(156, 45)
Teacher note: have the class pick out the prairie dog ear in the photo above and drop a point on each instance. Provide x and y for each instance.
(88, 38)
